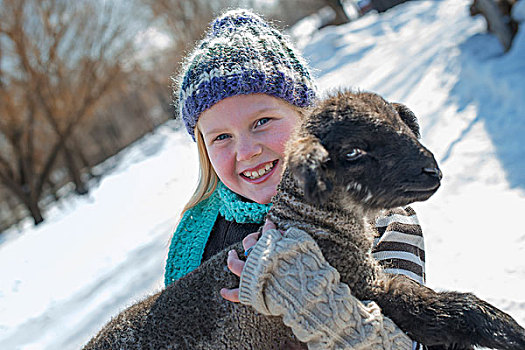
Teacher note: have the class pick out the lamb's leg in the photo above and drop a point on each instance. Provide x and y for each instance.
(455, 320)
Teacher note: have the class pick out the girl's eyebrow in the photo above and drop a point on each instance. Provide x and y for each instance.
(265, 109)
(212, 131)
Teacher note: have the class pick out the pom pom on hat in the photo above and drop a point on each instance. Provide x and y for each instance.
(241, 54)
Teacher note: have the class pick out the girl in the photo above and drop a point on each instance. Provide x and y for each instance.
(241, 93)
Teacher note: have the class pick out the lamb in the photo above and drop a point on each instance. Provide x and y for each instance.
(355, 154)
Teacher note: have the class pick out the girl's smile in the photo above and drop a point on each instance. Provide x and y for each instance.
(245, 137)
(260, 173)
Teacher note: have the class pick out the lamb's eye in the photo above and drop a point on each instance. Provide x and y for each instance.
(354, 154)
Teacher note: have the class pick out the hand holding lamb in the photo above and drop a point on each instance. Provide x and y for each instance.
(236, 265)
(286, 275)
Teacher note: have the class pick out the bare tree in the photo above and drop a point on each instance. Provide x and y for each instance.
(185, 22)
(340, 15)
(57, 59)
(19, 156)
(497, 13)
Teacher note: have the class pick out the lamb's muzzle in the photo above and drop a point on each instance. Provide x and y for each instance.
(374, 168)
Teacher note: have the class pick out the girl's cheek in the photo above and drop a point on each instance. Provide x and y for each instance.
(279, 142)
(213, 155)
(221, 160)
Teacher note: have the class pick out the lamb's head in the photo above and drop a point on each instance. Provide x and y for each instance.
(358, 148)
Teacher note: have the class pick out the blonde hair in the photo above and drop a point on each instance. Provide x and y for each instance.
(208, 178)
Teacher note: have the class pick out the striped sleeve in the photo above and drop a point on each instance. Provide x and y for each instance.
(399, 246)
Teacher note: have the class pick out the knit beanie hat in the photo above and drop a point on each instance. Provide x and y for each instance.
(241, 54)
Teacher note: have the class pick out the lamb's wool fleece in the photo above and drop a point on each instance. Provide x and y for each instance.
(355, 154)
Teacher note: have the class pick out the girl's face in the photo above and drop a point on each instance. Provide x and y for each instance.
(245, 136)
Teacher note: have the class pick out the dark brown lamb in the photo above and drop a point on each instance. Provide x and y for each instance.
(355, 155)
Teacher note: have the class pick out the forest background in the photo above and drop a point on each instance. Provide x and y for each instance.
(82, 80)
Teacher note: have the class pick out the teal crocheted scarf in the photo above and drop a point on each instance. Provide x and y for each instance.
(190, 237)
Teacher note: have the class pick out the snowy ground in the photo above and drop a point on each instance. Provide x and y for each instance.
(95, 255)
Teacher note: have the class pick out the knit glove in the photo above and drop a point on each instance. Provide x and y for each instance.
(286, 275)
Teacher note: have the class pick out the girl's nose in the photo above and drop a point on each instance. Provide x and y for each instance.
(247, 148)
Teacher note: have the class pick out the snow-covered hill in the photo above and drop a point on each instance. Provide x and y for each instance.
(60, 282)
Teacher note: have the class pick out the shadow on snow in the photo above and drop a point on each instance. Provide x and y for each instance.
(494, 83)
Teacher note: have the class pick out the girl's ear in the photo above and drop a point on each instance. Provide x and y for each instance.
(306, 162)
(408, 117)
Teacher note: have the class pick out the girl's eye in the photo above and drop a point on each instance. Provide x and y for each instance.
(261, 121)
(222, 137)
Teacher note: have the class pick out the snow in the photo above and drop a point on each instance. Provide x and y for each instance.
(64, 279)
(97, 254)
(518, 11)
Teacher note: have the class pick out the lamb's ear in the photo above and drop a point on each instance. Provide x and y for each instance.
(408, 117)
(307, 163)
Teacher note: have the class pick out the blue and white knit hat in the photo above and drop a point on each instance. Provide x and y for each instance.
(241, 54)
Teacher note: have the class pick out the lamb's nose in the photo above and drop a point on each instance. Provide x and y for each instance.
(433, 172)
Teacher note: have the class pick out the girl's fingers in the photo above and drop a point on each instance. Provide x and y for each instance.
(268, 225)
(230, 294)
(235, 265)
(250, 240)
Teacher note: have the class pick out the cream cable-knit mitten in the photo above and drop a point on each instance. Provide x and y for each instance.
(286, 275)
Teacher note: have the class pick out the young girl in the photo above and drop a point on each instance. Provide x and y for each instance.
(240, 95)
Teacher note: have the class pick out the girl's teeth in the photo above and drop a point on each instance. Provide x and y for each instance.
(256, 174)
